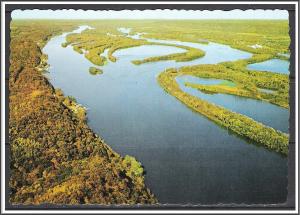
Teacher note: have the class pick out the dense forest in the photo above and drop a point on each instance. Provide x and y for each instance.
(55, 156)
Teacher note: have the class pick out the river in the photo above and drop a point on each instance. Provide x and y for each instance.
(274, 65)
(187, 158)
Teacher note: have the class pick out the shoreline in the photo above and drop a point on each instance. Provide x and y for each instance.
(84, 117)
(73, 142)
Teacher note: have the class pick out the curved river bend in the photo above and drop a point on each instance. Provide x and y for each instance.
(188, 158)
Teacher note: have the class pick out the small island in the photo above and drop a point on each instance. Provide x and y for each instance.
(95, 71)
(65, 44)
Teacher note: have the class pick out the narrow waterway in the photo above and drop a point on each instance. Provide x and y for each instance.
(188, 158)
(264, 112)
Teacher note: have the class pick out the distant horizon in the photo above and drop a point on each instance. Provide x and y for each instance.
(165, 14)
(147, 19)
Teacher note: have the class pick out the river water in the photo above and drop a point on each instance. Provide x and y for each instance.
(188, 159)
(264, 112)
(274, 65)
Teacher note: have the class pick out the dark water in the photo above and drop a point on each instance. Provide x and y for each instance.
(188, 158)
(273, 65)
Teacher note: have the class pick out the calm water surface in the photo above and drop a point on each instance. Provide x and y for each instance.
(264, 112)
(188, 158)
(273, 65)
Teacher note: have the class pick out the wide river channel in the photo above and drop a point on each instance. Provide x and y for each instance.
(187, 158)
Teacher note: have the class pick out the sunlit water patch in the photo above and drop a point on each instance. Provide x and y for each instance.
(273, 65)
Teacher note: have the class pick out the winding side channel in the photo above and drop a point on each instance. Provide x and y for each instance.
(188, 158)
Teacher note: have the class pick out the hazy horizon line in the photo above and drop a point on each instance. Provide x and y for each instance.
(144, 19)
(164, 14)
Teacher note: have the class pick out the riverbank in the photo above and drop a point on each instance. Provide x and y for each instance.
(238, 123)
(55, 157)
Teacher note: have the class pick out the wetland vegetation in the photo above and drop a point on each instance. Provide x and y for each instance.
(265, 38)
(247, 83)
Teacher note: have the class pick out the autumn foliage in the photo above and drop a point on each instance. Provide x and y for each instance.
(55, 156)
